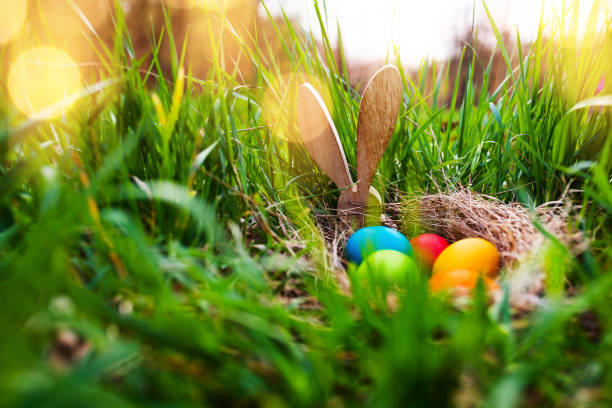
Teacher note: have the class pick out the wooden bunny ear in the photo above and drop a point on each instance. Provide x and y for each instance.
(322, 142)
(378, 113)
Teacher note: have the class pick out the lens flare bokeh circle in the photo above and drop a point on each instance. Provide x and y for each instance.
(43, 82)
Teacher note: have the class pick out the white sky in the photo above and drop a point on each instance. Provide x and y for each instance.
(420, 28)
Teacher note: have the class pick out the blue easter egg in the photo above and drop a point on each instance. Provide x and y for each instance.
(371, 239)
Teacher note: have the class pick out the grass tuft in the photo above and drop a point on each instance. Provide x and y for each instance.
(160, 244)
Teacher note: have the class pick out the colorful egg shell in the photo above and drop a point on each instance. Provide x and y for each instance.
(371, 239)
(386, 267)
(427, 247)
(474, 254)
(459, 282)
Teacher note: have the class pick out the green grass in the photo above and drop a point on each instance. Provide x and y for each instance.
(170, 223)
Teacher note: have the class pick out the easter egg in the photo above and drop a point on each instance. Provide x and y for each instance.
(459, 281)
(386, 267)
(427, 247)
(371, 239)
(374, 208)
(473, 254)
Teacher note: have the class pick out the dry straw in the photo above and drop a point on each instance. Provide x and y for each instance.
(524, 249)
(509, 226)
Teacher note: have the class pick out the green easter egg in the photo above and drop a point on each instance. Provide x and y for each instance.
(386, 268)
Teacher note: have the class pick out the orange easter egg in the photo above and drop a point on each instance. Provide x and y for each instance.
(473, 254)
(460, 281)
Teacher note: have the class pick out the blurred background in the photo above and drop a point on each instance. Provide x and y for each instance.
(415, 33)
(423, 29)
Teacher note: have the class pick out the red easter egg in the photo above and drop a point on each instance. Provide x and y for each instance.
(427, 247)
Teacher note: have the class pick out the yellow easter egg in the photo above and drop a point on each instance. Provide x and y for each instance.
(472, 254)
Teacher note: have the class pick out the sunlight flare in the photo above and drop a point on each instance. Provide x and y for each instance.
(213, 5)
(92, 13)
(13, 16)
(42, 82)
(280, 99)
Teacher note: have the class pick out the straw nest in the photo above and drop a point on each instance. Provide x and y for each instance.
(511, 227)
